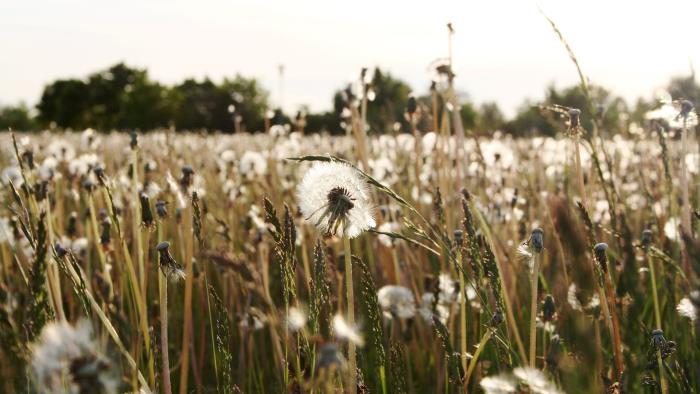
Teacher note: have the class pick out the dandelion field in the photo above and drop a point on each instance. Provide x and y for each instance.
(432, 261)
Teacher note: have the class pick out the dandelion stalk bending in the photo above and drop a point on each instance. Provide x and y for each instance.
(335, 198)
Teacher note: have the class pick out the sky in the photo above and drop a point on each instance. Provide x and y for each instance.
(503, 50)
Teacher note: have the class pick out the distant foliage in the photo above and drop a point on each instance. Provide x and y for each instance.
(122, 97)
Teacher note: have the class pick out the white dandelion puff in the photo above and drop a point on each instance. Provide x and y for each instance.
(66, 359)
(449, 289)
(536, 380)
(336, 199)
(499, 384)
(387, 227)
(572, 297)
(426, 310)
(342, 330)
(686, 308)
(296, 319)
(397, 301)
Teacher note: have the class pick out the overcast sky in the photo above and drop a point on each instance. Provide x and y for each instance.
(504, 51)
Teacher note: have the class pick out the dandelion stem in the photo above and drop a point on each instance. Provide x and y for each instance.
(462, 311)
(579, 171)
(533, 308)
(163, 293)
(617, 342)
(352, 359)
(657, 316)
(187, 322)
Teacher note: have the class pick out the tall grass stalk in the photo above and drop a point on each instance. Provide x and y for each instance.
(479, 349)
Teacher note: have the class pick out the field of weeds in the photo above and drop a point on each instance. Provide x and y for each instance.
(425, 262)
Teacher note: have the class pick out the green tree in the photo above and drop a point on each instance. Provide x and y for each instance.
(532, 118)
(214, 107)
(250, 100)
(64, 103)
(389, 104)
(685, 88)
(489, 117)
(468, 115)
(17, 118)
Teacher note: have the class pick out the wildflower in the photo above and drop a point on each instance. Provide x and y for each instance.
(228, 156)
(554, 352)
(676, 114)
(79, 246)
(688, 306)
(397, 301)
(170, 267)
(449, 289)
(574, 118)
(601, 255)
(161, 209)
(72, 228)
(387, 227)
(659, 345)
(335, 198)
(426, 310)
(151, 189)
(572, 298)
(671, 229)
(187, 178)
(147, 219)
(253, 164)
(330, 357)
(61, 251)
(499, 384)
(548, 308)
(497, 318)
(535, 380)
(646, 238)
(252, 320)
(296, 319)
(12, 174)
(134, 140)
(342, 330)
(66, 359)
(105, 236)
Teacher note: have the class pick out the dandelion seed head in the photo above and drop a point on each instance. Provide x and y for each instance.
(499, 384)
(296, 319)
(335, 198)
(442, 312)
(686, 308)
(66, 359)
(536, 380)
(397, 300)
(342, 330)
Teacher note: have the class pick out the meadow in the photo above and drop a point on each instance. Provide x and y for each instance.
(430, 259)
(279, 262)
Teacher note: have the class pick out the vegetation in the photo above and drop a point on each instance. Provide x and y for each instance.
(437, 259)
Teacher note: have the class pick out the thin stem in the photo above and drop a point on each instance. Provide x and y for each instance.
(351, 312)
(462, 313)
(187, 321)
(163, 293)
(617, 342)
(472, 364)
(533, 308)
(657, 315)
(579, 171)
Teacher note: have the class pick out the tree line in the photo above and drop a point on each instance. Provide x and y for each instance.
(126, 98)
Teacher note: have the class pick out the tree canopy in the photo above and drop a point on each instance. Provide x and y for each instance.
(126, 98)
